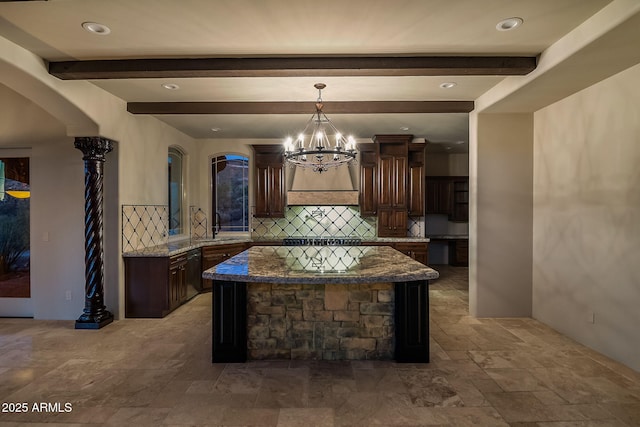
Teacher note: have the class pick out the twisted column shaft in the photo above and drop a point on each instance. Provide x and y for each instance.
(94, 315)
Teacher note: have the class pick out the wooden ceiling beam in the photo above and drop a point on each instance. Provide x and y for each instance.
(293, 67)
(354, 107)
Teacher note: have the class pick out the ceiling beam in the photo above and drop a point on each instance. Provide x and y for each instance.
(355, 107)
(293, 67)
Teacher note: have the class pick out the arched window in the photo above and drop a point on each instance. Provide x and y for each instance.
(230, 193)
(176, 191)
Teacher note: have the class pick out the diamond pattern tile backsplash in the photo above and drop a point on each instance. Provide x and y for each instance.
(144, 226)
(315, 221)
(199, 229)
(322, 221)
(147, 225)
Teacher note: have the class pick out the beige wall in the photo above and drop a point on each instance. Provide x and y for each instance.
(586, 243)
(500, 224)
(135, 173)
(444, 164)
(57, 210)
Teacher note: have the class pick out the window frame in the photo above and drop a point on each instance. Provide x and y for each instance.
(183, 229)
(212, 182)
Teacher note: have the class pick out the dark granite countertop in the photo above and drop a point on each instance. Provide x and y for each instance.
(320, 264)
(176, 248)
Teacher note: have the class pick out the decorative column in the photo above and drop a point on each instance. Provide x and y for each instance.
(94, 315)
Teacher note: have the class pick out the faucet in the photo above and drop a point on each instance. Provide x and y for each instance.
(216, 225)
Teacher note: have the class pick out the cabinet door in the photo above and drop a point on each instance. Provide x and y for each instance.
(270, 191)
(400, 182)
(392, 223)
(387, 184)
(262, 191)
(416, 250)
(175, 284)
(276, 191)
(460, 212)
(368, 196)
(416, 190)
(439, 195)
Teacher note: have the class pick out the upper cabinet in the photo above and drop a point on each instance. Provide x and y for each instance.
(439, 195)
(448, 195)
(460, 200)
(392, 166)
(400, 177)
(270, 191)
(415, 196)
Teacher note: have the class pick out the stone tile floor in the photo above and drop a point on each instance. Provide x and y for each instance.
(150, 372)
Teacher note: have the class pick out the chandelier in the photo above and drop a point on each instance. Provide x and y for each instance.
(320, 145)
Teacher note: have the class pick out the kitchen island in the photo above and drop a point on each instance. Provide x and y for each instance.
(328, 302)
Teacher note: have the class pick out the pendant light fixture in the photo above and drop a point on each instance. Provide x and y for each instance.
(320, 145)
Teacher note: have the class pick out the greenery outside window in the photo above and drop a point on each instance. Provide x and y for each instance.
(230, 193)
(176, 191)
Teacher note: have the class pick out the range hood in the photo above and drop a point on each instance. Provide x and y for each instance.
(337, 186)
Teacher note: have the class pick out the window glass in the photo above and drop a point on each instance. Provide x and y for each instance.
(15, 258)
(175, 192)
(230, 193)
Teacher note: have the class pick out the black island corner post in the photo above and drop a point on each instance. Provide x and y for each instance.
(95, 314)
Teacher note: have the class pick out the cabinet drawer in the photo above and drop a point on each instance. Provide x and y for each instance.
(177, 260)
(223, 250)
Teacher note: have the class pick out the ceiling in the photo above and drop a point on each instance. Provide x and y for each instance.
(251, 101)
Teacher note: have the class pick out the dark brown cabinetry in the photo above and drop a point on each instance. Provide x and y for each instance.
(392, 223)
(448, 195)
(393, 180)
(270, 194)
(459, 252)
(177, 281)
(460, 200)
(155, 286)
(214, 255)
(393, 176)
(416, 250)
(438, 195)
(368, 196)
(415, 194)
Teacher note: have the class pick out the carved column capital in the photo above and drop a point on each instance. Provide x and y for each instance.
(93, 147)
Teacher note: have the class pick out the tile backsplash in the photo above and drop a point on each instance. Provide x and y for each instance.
(315, 221)
(323, 221)
(147, 225)
(144, 226)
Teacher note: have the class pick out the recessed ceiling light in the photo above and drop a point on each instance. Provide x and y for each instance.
(95, 28)
(447, 85)
(215, 129)
(509, 24)
(170, 86)
(404, 128)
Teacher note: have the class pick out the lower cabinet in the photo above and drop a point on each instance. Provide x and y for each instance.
(459, 252)
(416, 250)
(177, 281)
(154, 286)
